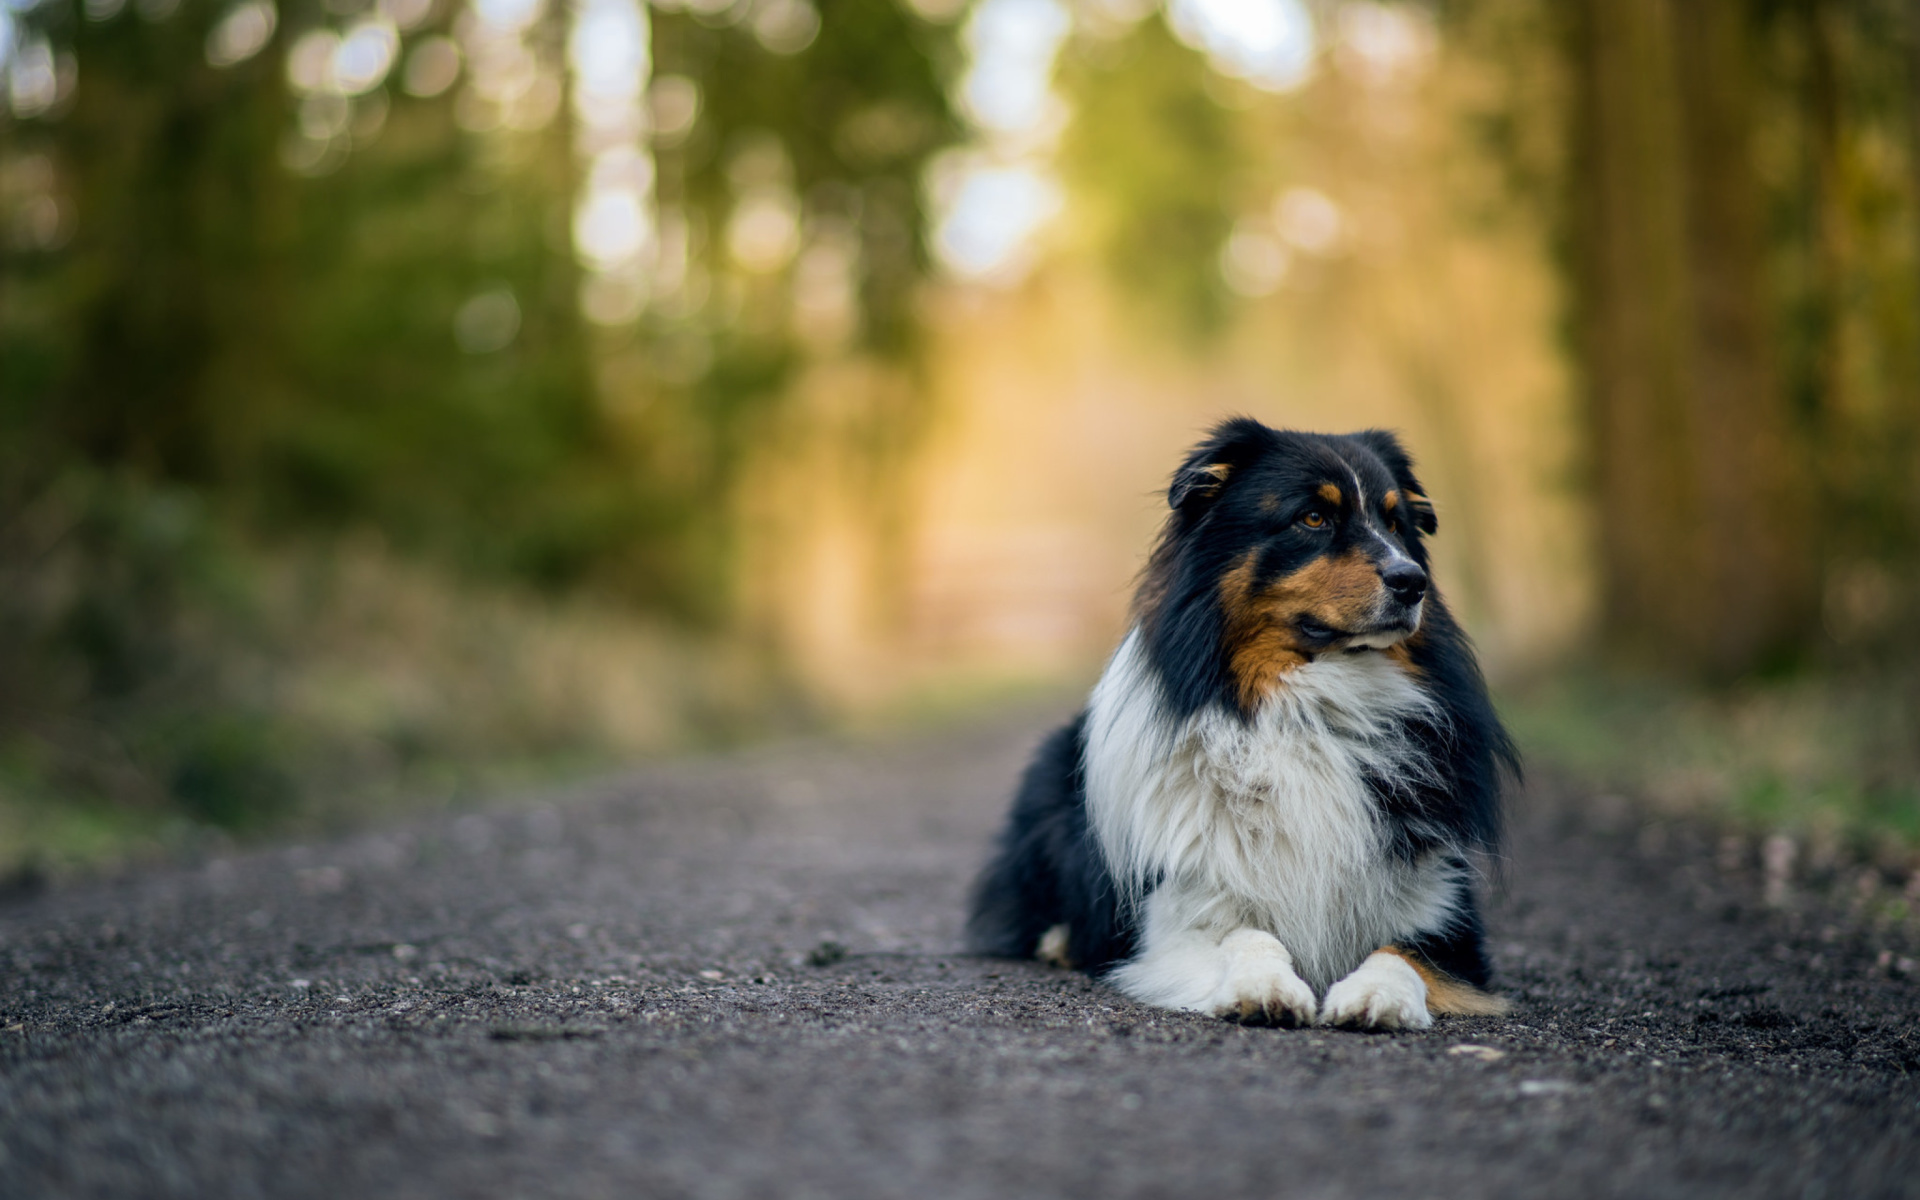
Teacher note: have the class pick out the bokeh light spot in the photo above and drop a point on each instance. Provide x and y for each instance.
(432, 67)
(33, 78)
(406, 15)
(991, 218)
(364, 56)
(487, 322)
(1009, 86)
(310, 60)
(509, 14)
(1253, 262)
(1309, 220)
(607, 47)
(1268, 43)
(764, 230)
(242, 33)
(674, 102)
(786, 26)
(611, 228)
(1386, 41)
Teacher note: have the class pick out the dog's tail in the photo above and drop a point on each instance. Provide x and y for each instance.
(1453, 998)
(1447, 996)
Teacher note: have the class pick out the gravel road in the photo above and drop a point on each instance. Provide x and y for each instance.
(738, 977)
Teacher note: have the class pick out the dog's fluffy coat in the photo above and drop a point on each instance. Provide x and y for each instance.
(1268, 808)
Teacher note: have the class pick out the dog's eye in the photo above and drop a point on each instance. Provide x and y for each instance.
(1314, 520)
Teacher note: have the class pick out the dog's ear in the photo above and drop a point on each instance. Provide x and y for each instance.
(1203, 476)
(1197, 484)
(1387, 448)
(1422, 512)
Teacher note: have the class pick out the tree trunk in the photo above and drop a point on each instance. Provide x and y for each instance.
(1704, 561)
(1630, 235)
(1907, 430)
(1752, 463)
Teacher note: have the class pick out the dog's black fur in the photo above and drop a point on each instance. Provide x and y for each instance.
(1048, 870)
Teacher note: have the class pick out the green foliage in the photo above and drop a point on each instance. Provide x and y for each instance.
(227, 770)
(1152, 161)
(107, 692)
(1799, 244)
(158, 672)
(846, 127)
(286, 343)
(500, 462)
(1838, 149)
(233, 343)
(856, 115)
(1516, 117)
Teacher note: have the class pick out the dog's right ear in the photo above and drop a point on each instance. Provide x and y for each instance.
(1195, 485)
(1201, 478)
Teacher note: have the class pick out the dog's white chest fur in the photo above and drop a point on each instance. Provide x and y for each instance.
(1268, 823)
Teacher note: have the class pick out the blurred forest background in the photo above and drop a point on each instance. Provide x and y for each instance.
(402, 395)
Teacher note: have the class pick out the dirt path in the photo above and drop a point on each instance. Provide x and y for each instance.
(612, 995)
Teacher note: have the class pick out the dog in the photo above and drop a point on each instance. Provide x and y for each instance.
(1271, 806)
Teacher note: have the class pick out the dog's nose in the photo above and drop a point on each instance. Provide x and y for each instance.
(1406, 581)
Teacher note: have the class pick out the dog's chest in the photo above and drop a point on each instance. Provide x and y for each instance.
(1284, 803)
(1273, 821)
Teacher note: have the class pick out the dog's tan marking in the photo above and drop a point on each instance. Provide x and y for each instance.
(1265, 646)
(1448, 996)
(1339, 592)
(1053, 948)
(1390, 501)
(1219, 471)
(1401, 652)
(1331, 494)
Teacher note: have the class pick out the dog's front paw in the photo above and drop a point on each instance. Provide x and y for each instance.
(1385, 992)
(1260, 987)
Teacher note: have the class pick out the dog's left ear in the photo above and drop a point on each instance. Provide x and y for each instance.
(1422, 512)
(1399, 464)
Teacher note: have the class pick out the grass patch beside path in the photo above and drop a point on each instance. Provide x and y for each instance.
(167, 686)
(1829, 761)
(48, 834)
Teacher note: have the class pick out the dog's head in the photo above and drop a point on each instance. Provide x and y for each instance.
(1282, 547)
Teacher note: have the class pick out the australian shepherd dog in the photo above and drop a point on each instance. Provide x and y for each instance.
(1271, 807)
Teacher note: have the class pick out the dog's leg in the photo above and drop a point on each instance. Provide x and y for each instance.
(1384, 992)
(1260, 986)
(1245, 976)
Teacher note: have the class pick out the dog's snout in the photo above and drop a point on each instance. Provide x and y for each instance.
(1406, 581)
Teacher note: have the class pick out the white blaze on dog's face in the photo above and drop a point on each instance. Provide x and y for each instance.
(1311, 546)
